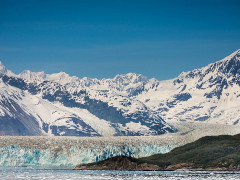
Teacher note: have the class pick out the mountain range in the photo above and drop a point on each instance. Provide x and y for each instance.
(35, 103)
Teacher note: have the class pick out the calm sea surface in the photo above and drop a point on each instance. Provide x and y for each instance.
(12, 173)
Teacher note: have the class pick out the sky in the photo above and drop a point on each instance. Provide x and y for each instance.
(103, 38)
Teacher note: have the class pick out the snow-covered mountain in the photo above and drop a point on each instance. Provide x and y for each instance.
(210, 94)
(4, 70)
(57, 104)
(34, 103)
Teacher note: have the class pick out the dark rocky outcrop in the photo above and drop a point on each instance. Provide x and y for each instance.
(121, 163)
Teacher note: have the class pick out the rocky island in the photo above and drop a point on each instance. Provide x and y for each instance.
(207, 153)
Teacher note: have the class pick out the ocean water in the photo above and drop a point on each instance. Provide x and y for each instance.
(25, 173)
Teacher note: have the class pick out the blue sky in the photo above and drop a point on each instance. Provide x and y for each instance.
(103, 38)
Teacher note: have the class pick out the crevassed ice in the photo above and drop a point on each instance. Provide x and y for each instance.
(17, 156)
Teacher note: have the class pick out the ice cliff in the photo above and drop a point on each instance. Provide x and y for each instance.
(50, 151)
(69, 152)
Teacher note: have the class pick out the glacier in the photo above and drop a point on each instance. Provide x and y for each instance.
(17, 156)
(65, 151)
(69, 152)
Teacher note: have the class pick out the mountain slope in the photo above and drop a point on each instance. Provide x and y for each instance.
(62, 111)
(25, 114)
(210, 94)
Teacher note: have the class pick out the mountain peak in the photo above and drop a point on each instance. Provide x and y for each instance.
(235, 55)
(61, 77)
(131, 77)
(32, 76)
(4, 70)
(228, 66)
(58, 76)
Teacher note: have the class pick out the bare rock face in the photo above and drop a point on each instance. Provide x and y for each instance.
(121, 163)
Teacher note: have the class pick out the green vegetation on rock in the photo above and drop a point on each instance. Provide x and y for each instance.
(210, 153)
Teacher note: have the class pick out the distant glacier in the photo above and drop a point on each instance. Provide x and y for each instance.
(69, 152)
(45, 151)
